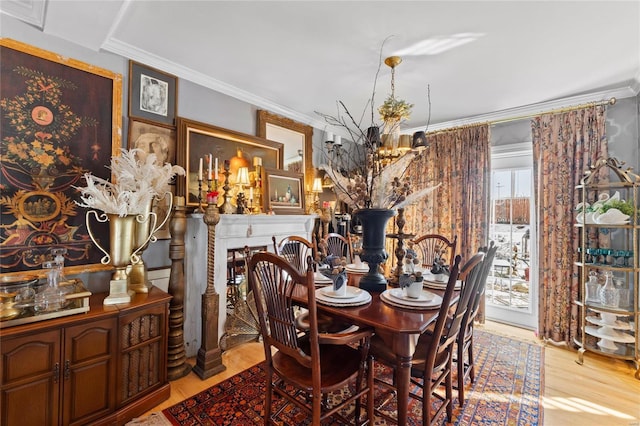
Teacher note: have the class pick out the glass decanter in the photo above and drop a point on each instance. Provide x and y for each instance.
(609, 295)
(50, 299)
(592, 287)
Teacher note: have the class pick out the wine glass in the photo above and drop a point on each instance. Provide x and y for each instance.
(606, 255)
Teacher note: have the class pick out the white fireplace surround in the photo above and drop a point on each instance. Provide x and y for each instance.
(232, 232)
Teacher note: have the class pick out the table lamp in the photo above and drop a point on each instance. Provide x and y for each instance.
(316, 190)
(242, 180)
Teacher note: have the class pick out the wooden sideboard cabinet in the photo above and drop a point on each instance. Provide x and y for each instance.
(104, 366)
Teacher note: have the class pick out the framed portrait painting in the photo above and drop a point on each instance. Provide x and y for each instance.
(153, 94)
(153, 138)
(199, 141)
(283, 191)
(61, 118)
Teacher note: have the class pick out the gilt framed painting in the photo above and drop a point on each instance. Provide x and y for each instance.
(283, 192)
(199, 141)
(59, 119)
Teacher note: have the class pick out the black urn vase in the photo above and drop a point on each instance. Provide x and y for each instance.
(374, 224)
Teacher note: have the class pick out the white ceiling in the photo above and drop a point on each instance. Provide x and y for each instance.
(299, 57)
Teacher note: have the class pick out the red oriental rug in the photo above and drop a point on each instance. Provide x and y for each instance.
(507, 391)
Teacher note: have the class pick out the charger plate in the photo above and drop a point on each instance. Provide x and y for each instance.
(436, 285)
(426, 297)
(350, 293)
(362, 298)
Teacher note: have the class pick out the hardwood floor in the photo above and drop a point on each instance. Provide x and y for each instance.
(601, 392)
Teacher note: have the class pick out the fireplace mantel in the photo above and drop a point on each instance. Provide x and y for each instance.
(232, 232)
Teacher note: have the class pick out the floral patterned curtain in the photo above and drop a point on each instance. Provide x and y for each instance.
(459, 159)
(564, 145)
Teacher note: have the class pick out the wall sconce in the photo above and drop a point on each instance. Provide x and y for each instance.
(242, 180)
(333, 144)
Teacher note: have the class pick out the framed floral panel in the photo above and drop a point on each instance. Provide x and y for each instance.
(200, 141)
(283, 191)
(153, 94)
(59, 119)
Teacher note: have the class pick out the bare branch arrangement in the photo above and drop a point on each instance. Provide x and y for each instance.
(361, 179)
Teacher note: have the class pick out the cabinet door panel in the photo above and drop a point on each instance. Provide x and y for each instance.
(89, 371)
(143, 345)
(30, 370)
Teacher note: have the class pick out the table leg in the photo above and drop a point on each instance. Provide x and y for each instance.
(403, 378)
(404, 345)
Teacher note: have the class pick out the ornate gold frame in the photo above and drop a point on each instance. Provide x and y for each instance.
(266, 117)
(115, 126)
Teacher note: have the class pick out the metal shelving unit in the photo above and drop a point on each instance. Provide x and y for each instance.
(610, 330)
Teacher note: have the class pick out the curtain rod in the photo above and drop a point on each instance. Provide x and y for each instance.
(464, 126)
(611, 101)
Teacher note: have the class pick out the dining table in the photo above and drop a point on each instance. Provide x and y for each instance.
(399, 327)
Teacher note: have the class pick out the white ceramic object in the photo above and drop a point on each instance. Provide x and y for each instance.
(611, 217)
(608, 318)
(414, 290)
(585, 218)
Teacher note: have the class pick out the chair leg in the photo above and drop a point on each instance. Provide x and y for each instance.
(449, 392)
(427, 392)
(370, 409)
(472, 369)
(460, 366)
(267, 399)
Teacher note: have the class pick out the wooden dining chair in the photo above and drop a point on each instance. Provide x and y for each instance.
(432, 362)
(303, 370)
(296, 250)
(464, 351)
(427, 245)
(337, 245)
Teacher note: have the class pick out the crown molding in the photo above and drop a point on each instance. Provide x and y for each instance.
(30, 11)
(128, 51)
(149, 59)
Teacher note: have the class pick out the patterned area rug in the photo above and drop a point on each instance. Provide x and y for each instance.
(507, 391)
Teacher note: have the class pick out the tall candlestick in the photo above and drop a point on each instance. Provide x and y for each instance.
(210, 176)
(215, 176)
(200, 170)
(251, 193)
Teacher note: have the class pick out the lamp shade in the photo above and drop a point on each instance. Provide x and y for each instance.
(243, 176)
(317, 185)
(373, 136)
(419, 141)
(404, 143)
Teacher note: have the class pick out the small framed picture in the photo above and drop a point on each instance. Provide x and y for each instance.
(284, 191)
(152, 94)
(153, 138)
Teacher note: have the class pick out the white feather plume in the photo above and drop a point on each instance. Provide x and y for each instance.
(135, 184)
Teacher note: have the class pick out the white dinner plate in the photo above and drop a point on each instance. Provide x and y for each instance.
(353, 267)
(349, 294)
(362, 298)
(440, 286)
(399, 294)
(318, 278)
(431, 277)
(410, 304)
